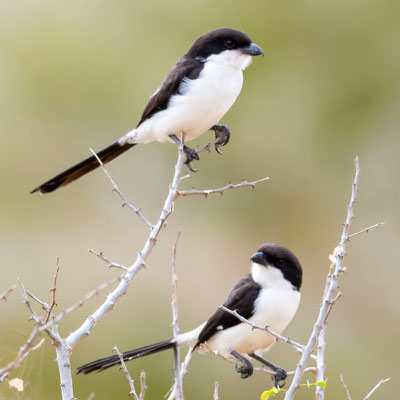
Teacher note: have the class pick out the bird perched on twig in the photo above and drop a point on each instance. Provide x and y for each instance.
(268, 296)
(197, 92)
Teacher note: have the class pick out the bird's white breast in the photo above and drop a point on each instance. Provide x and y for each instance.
(202, 102)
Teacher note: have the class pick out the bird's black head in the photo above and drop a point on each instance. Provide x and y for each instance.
(219, 40)
(271, 254)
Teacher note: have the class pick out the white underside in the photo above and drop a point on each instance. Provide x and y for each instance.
(201, 103)
(275, 308)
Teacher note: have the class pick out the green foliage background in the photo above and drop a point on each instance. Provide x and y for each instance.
(75, 75)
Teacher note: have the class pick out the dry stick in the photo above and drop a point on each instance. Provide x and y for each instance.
(143, 386)
(345, 387)
(125, 201)
(111, 264)
(127, 374)
(331, 286)
(177, 389)
(53, 289)
(3, 296)
(376, 387)
(366, 230)
(263, 328)
(216, 387)
(206, 193)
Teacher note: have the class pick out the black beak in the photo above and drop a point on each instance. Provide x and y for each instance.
(252, 50)
(258, 258)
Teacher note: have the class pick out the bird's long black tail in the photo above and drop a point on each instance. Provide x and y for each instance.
(107, 362)
(84, 167)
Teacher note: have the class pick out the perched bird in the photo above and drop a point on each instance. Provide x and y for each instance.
(268, 296)
(197, 92)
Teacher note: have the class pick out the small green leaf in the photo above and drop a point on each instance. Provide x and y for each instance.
(321, 384)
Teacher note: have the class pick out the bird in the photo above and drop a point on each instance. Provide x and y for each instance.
(268, 296)
(196, 93)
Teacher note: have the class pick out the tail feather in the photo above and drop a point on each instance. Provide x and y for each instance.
(107, 362)
(82, 168)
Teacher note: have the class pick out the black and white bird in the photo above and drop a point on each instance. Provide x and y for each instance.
(268, 296)
(197, 92)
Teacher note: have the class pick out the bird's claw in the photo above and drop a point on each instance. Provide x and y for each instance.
(222, 136)
(279, 378)
(245, 371)
(190, 156)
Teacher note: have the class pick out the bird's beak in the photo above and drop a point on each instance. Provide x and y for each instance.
(252, 50)
(258, 258)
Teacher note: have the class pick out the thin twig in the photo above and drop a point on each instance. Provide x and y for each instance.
(111, 264)
(175, 324)
(329, 291)
(3, 296)
(366, 230)
(376, 387)
(222, 190)
(263, 328)
(345, 387)
(125, 201)
(216, 387)
(53, 289)
(143, 386)
(127, 374)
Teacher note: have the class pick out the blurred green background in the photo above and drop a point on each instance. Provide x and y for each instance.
(75, 75)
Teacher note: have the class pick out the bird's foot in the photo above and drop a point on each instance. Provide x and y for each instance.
(244, 371)
(222, 136)
(190, 156)
(279, 378)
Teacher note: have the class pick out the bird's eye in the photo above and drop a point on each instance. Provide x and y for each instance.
(280, 262)
(229, 44)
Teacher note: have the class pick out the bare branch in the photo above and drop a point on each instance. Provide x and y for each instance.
(376, 387)
(366, 230)
(125, 201)
(143, 386)
(230, 186)
(111, 264)
(53, 289)
(345, 387)
(3, 296)
(330, 288)
(126, 372)
(175, 324)
(216, 387)
(266, 329)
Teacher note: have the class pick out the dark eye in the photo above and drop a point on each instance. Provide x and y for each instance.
(281, 262)
(229, 44)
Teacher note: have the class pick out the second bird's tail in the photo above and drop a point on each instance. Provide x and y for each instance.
(84, 167)
(107, 362)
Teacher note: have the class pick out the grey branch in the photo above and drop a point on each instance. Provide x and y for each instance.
(3, 296)
(216, 387)
(376, 387)
(222, 190)
(111, 264)
(127, 374)
(177, 390)
(330, 289)
(53, 290)
(263, 328)
(125, 201)
(345, 387)
(366, 230)
(143, 386)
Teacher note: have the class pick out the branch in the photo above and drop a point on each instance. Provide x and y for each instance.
(125, 201)
(3, 296)
(330, 288)
(126, 372)
(266, 329)
(175, 325)
(376, 387)
(111, 264)
(230, 186)
(366, 230)
(216, 387)
(143, 386)
(345, 387)
(53, 289)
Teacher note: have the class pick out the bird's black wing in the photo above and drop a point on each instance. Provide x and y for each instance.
(186, 67)
(241, 298)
